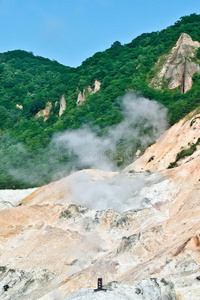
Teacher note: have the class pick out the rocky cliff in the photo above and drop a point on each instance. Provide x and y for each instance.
(45, 112)
(178, 67)
(62, 105)
(60, 239)
(82, 95)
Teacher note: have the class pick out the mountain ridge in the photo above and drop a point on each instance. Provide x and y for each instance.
(33, 86)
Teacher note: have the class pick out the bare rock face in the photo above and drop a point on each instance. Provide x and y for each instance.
(45, 112)
(151, 289)
(97, 86)
(62, 105)
(178, 67)
(15, 283)
(183, 136)
(19, 106)
(11, 198)
(82, 96)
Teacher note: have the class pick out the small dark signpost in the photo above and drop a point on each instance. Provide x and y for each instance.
(99, 285)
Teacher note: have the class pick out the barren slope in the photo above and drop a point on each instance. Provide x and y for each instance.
(53, 245)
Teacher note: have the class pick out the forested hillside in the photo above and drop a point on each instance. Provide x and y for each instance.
(28, 83)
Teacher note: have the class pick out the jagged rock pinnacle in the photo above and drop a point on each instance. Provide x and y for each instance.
(178, 68)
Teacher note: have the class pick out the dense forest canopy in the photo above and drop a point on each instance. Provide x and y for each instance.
(33, 81)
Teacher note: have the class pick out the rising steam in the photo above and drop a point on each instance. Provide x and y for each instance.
(144, 121)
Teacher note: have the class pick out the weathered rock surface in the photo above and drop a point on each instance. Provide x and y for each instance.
(82, 95)
(97, 86)
(151, 289)
(17, 284)
(183, 135)
(62, 105)
(10, 198)
(45, 112)
(19, 106)
(178, 67)
(59, 241)
(81, 98)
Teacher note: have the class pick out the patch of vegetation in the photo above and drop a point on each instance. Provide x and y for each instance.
(150, 159)
(193, 121)
(172, 165)
(198, 53)
(184, 153)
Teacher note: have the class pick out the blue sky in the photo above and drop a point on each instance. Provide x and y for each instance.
(70, 31)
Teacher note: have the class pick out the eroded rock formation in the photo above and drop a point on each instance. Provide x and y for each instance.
(97, 86)
(19, 106)
(82, 95)
(10, 198)
(62, 105)
(81, 98)
(178, 67)
(182, 136)
(45, 112)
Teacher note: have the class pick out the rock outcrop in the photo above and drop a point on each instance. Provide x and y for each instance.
(97, 86)
(11, 198)
(62, 105)
(19, 106)
(178, 67)
(45, 112)
(81, 98)
(151, 289)
(82, 95)
(16, 283)
(183, 136)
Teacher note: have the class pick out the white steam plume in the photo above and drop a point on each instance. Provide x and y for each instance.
(120, 192)
(144, 121)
